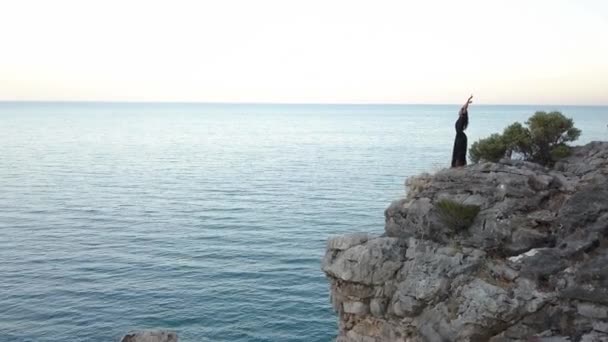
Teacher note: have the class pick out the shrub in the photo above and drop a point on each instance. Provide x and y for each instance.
(549, 133)
(491, 148)
(456, 216)
(543, 141)
(559, 152)
(517, 139)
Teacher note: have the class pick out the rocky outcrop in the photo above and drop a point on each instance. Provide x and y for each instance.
(150, 336)
(532, 265)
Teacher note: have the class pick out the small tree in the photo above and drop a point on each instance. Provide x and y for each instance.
(517, 139)
(549, 133)
(543, 141)
(491, 148)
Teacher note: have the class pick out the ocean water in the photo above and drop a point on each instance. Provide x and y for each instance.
(207, 219)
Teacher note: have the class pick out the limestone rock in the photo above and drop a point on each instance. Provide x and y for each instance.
(356, 308)
(592, 310)
(532, 266)
(374, 262)
(345, 242)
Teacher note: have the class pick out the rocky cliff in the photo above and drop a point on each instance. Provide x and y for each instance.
(531, 265)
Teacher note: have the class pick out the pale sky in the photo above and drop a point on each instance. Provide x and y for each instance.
(376, 51)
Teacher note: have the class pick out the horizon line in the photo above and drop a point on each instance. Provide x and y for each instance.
(161, 102)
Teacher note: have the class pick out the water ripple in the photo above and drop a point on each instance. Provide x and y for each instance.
(201, 218)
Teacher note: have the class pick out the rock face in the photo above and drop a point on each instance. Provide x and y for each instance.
(532, 266)
(150, 336)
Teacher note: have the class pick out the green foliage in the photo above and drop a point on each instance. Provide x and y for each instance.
(491, 148)
(517, 139)
(456, 216)
(559, 152)
(543, 141)
(549, 133)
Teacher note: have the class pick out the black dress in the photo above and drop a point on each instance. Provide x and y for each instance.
(459, 155)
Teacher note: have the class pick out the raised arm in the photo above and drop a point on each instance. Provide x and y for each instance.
(466, 105)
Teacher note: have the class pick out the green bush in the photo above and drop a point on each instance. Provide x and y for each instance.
(456, 216)
(516, 139)
(560, 151)
(491, 148)
(549, 133)
(543, 141)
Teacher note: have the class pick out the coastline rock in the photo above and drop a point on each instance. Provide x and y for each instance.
(531, 266)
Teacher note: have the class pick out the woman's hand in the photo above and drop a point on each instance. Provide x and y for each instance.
(469, 101)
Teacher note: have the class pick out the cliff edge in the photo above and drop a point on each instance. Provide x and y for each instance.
(531, 265)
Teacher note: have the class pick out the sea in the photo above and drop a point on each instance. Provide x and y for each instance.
(210, 220)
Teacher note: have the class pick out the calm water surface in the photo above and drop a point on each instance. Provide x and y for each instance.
(210, 220)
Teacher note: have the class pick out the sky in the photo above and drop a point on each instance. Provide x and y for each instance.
(309, 51)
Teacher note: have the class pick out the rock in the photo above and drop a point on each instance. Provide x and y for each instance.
(355, 308)
(500, 270)
(372, 263)
(583, 207)
(552, 339)
(410, 220)
(377, 307)
(529, 254)
(345, 242)
(592, 310)
(600, 326)
(150, 336)
(484, 303)
(542, 216)
(530, 267)
(594, 337)
(406, 306)
(543, 263)
(524, 238)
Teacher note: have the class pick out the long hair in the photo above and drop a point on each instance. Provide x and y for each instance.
(465, 121)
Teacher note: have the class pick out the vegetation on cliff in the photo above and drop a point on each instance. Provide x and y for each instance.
(456, 216)
(543, 141)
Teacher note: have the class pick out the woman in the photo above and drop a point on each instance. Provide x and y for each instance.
(459, 155)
